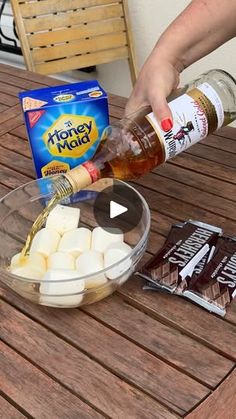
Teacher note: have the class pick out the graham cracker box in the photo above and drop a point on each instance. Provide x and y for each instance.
(64, 124)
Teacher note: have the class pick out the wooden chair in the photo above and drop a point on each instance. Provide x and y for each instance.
(62, 35)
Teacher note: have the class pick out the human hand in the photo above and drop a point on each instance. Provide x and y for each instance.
(157, 80)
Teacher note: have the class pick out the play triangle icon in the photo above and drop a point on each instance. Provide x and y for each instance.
(116, 209)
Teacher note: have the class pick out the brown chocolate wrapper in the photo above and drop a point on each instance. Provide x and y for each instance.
(215, 287)
(186, 245)
(193, 276)
(190, 279)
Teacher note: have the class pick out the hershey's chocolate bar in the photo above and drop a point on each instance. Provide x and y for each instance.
(185, 246)
(215, 287)
(191, 278)
(197, 270)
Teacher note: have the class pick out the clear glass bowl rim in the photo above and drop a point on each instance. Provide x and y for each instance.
(102, 271)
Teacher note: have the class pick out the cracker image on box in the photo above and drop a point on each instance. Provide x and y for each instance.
(64, 124)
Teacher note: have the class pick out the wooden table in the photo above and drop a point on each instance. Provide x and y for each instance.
(137, 354)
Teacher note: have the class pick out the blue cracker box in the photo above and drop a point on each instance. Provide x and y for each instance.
(64, 124)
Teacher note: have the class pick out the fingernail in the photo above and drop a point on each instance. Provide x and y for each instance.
(166, 124)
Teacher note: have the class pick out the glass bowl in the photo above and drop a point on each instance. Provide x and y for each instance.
(19, 209)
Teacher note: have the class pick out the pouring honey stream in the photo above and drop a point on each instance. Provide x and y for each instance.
(63, 189)
(64, 186)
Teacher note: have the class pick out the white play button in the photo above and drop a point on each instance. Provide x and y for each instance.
(116, 209)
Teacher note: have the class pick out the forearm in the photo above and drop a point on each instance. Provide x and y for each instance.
(202, 27)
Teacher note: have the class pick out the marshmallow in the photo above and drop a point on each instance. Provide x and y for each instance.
(115, 253)
(15, 260)
(75, 241)
(63, 218)
(60, 260)
(32, 266)
(123, 278)
(62, 293)
(102, 239)
(88, 263)
(27, 271)
(45, 241)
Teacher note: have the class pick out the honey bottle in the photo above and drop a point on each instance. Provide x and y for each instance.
(135, 145)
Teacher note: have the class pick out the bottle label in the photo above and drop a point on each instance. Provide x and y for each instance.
(195, 115)
(92, 170)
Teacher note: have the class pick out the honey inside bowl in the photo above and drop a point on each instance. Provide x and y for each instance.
(18, 211)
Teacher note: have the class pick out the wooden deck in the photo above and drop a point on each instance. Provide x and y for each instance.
(137, 354)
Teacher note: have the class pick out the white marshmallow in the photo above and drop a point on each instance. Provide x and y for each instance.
(60, 260)
(45, 241)
(27, 271)
(88, 263)
(32, 266)
(64, 293)
(123, 278)
(38, 261)
(15, 260)
(63, 218)
(114, 254)
(102, 239)
(75, 241)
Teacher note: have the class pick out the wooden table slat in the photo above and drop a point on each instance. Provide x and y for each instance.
(20, 132)
(227, 132)
(10, 124)
(209, 153)
(221, 404)
(13, 160)
(201, 182)
(201, 199)
(207, 328)
(9, 90)
(8, 100)
(10, 113)
(8, 411)
(3, 108)
(224, 144)
(206, 167)
(89, 380)
(10, 142)
(20, 83)
(160, 340)
(28, 75)
(163, 340)
(37, 393)
(169, 206)
(11, 178)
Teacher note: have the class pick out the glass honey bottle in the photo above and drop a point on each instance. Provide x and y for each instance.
(137, 144)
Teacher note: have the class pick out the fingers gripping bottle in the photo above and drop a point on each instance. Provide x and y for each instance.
(135, 145)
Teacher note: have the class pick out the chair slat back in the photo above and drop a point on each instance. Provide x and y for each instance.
(64, 35)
